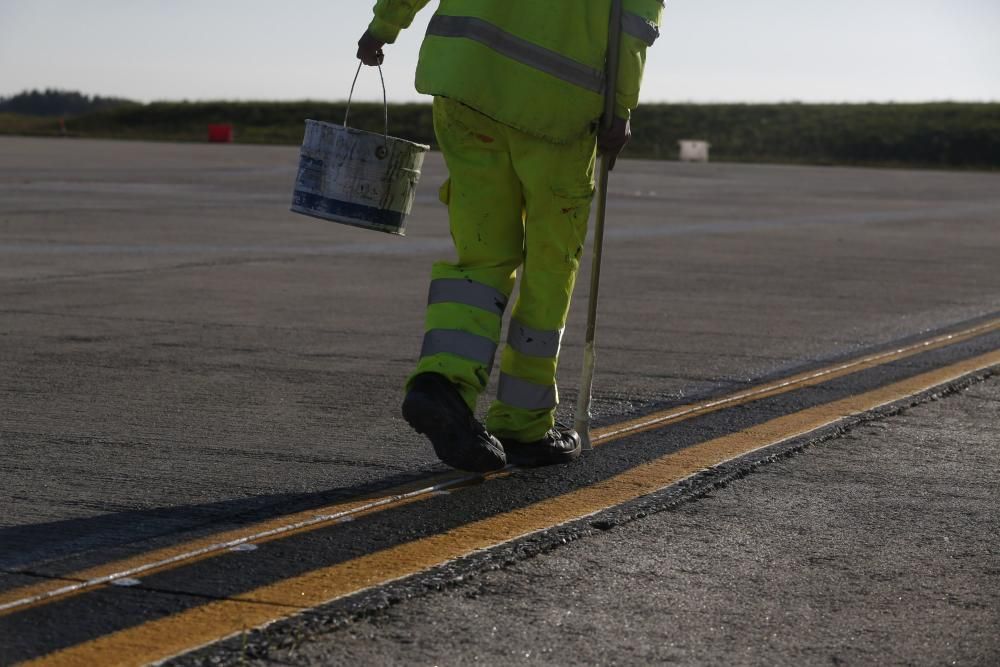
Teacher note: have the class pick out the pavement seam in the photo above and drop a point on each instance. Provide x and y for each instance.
(814, 364)
(326, 619)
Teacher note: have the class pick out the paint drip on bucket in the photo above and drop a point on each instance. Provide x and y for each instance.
(357, 178)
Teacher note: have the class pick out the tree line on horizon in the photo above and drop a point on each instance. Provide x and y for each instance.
(54, 102)
(941, 134)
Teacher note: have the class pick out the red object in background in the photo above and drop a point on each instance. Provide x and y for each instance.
(221, 133)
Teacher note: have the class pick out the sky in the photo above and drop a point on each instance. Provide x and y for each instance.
(709, 50)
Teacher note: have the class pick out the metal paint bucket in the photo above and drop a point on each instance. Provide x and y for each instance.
(355, 177)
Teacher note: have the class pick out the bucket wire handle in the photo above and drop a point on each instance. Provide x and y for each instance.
(385, 107)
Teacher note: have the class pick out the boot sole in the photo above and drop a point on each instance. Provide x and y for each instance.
(536, 456)
(451, 440)
(539, 459)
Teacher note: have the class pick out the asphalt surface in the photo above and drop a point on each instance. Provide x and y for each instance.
(879, 547)
(179, 354)
(282, 571)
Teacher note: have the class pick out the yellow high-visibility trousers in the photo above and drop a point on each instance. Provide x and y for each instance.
(514, 201)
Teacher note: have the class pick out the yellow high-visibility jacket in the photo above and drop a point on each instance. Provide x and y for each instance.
(536, 65)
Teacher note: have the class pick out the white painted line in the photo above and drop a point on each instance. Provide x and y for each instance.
(222, 546)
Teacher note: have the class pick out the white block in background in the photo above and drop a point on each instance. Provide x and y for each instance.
(694, 150)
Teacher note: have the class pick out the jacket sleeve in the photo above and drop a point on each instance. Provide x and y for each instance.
(391, 16)
(640, 28)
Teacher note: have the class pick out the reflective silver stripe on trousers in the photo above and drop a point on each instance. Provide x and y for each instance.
(640, 28)
(461, 344)
(518, 49)
(533, 342)
(526, 395)
(468, 293)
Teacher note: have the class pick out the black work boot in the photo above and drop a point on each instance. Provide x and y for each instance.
(434, 408)
(559, 445)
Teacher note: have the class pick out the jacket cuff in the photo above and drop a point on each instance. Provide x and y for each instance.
(384, 31)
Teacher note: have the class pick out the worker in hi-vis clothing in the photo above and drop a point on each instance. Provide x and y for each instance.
(518, 90)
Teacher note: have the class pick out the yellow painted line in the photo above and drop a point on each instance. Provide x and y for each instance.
(809, 378)
(174, 556)
(208, 546)
(166, 637)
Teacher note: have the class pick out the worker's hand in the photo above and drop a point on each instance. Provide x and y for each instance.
(370, 50)
(611, 141)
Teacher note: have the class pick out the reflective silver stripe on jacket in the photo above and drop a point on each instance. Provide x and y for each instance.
(519, 49)
(533, 342)
(526, 395)
(468, 293)
(640, 28)
(461, 344)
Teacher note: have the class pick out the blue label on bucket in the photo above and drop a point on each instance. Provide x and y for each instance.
(324, 206)
(310, 174)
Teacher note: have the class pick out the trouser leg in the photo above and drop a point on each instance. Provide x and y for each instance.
(467, 297)
(558, 187)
